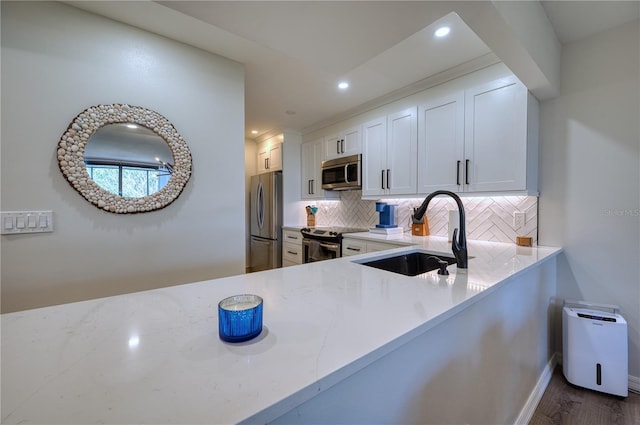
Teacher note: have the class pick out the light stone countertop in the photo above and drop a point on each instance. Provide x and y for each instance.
(155, 356)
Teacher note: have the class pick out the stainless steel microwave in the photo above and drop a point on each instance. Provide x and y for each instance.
(342, 173)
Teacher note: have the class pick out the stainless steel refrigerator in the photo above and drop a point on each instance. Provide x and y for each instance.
(265, 251)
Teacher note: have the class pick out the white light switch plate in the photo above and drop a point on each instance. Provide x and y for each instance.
(21, 222)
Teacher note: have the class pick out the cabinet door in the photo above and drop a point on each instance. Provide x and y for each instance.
(263, 160)
(351, 143)
(275, 157)
(496, 136)
(347, 142)
(441, 144)
(310, 168)
(332, 146)
(374, 157)
(402, 152)
(269, 156)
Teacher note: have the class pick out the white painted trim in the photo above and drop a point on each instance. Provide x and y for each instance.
(538, 391)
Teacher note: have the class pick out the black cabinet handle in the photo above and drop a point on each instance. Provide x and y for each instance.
(382, 181)
(353, 249)
(458, 173)
(313, 186)
(466, 172)
(338, 147)
(388, 173)
(342, 145)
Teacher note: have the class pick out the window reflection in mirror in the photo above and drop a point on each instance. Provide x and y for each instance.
(129, 160)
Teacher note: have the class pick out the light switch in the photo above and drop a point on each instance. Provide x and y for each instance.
(21, 222)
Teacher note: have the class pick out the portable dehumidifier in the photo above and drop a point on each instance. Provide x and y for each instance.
(594, 345)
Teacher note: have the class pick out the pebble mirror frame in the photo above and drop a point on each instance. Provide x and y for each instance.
(71, 149)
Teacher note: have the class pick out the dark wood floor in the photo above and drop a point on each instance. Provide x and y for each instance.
(564, 403)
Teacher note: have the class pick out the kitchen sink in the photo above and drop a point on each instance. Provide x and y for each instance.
(411, 263)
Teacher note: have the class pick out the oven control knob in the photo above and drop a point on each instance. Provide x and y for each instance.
(333, 233)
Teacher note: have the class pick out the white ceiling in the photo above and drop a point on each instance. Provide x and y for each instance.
(295, 53)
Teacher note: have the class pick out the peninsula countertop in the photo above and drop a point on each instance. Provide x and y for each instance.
(155, 356)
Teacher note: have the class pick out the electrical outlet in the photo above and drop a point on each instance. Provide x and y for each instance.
(518, 219)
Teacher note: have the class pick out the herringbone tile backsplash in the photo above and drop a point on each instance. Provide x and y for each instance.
(488, 218)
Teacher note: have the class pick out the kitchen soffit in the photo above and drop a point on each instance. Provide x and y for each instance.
(378, 46)
(294, 53)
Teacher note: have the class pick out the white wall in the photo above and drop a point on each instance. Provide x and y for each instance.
(250, 169)
(590, 175)
(57, 61)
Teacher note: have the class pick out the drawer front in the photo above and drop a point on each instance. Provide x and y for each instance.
(292, 252)
(381, 246)
(287, 263)
(292, 236)
(353, 247)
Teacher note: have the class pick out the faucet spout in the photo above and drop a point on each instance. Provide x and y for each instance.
(459, 242)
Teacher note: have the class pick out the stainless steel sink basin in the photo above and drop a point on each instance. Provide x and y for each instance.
(411, 263)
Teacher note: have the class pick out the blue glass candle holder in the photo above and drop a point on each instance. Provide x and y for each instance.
(240, 318)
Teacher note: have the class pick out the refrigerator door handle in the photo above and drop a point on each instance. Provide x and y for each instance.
(260, 205)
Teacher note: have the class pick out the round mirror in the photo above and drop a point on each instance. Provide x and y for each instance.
(124, 159)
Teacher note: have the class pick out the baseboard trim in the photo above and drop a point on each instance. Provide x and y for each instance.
(634, 384)
(538, 391)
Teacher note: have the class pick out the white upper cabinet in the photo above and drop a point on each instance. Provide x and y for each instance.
(441, 147)
(374, 156)
(311, 161)
(402, 149)
(347, 142)
(389, 164)
(483, 139)
(496, 137)
(269, 155)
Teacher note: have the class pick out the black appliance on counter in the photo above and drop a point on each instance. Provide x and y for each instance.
(324, 243)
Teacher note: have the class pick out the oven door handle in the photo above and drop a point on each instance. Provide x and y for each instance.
(332, 246)
(327, 245)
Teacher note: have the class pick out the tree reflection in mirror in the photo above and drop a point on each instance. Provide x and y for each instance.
(128, 160)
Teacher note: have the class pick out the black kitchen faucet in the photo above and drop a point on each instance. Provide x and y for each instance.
(459, 246)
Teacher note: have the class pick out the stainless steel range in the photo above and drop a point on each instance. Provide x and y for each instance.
(324, 243)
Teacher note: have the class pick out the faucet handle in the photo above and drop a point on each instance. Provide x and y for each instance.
(454, 241)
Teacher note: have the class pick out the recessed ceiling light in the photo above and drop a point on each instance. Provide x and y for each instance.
(254, 131)
(343, 85)
(442, 32)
